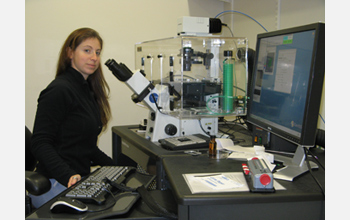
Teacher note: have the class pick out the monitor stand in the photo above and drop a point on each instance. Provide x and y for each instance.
(293, 166)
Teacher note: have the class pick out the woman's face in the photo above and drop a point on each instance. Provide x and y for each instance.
(86, 57)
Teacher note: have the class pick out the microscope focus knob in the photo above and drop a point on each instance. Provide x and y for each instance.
(153, 116)
(170, 129)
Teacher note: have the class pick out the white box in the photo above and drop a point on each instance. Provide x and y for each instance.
(193, 25)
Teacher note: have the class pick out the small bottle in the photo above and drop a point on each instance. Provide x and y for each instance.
(212, 147)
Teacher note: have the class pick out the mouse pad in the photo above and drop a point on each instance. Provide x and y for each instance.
(121, 205)
(123, 201)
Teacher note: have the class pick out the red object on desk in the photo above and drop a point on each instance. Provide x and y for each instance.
(245, 169)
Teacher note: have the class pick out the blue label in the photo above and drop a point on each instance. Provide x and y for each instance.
(155, 95)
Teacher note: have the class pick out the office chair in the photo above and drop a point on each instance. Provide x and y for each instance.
(35, 183)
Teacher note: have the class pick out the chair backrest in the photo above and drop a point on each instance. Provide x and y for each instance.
(29, 157)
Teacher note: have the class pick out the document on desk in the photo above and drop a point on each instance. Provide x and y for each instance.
(244, 153)
(238, 152)
(216, 182)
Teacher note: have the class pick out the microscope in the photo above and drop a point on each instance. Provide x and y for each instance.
(187, 82)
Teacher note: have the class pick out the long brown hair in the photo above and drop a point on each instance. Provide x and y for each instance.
(96, 80)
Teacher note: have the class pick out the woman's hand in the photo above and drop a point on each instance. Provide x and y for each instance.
(73, 180)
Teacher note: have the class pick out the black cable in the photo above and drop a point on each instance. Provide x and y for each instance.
(316, 159)
(155, 102)
(225, 25)
(242, 123)
(120, 186)
(148, 199)
(200, 124)
(236, 122)
(154, 205)
(243, 131)
(227, 133)
(107, 207)
(311, 172)
(230, 127)
(239, 141)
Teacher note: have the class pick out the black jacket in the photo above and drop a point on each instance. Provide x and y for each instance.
(66, 129)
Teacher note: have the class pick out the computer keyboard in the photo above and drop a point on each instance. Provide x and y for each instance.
(95, 188)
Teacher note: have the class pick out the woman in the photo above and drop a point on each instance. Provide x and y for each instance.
(71, 113)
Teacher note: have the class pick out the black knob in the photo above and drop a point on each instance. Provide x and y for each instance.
(170, 129)
(153, 116)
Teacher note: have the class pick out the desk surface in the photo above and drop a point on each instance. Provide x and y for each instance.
(302, 198)
(302, 188)
(129, 134)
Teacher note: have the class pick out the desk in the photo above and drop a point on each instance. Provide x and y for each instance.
(139, 211)
(126, 140)
(302, 198)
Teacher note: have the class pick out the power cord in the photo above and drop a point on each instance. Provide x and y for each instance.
(316, 159)
(110, 205)
(200, 124)
(155, 102)
(233, 11)
(311, 172)
(225, 25)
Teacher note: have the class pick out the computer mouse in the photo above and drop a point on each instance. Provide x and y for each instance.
(68, 205)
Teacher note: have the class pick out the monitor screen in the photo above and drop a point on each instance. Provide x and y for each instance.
(287, 82)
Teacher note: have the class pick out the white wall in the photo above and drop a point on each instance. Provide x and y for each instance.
(121, 24)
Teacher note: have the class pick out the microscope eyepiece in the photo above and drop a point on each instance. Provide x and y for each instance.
(120, 71)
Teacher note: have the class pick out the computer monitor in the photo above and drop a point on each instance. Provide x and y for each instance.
(286, 87)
